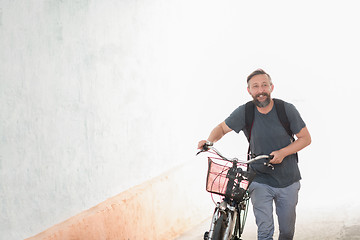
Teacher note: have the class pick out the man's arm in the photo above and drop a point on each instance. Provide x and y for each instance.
(216, 134)
(303, 140)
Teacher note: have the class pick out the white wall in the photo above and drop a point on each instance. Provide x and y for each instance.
(98, 96)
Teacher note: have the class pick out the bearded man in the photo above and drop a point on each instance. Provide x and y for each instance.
(267, 135)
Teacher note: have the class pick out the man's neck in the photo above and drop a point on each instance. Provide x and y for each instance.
(267, 109)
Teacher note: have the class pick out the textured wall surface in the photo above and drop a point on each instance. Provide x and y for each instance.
(91, 105)
(98, 96)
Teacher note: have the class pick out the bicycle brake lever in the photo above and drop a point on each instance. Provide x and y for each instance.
(202, 150)
(269, 165)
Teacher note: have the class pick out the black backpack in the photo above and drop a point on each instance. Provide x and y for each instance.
(280, 110)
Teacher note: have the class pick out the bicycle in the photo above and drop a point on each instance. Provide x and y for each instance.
(230, 182)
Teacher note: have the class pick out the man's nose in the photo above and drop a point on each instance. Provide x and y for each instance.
(263, 88)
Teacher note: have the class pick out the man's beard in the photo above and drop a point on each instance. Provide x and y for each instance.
(264, 103)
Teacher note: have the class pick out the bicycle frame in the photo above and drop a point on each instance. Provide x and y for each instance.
(230, 214)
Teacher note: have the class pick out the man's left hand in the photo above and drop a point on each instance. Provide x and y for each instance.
(278, 157)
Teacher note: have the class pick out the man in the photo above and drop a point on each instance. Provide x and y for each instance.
(268, 136)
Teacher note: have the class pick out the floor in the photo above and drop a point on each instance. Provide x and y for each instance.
(310, 226)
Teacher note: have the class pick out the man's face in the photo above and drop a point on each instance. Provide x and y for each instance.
(260, 88)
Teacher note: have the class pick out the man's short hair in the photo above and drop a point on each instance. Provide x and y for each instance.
(257, 72)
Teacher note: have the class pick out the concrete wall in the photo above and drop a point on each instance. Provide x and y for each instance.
(88, 106)
(99, 96)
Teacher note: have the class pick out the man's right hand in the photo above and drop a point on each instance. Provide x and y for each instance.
(201, 144)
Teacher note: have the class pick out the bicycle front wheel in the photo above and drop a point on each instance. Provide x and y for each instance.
(219, 227)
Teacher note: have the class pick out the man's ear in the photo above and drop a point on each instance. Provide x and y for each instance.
(248, 90)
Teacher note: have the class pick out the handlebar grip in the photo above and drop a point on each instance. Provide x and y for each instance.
(205, 147)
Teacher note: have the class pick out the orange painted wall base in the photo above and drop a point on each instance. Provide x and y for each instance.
(161, 208)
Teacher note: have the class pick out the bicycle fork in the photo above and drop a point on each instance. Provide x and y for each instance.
(230, 212)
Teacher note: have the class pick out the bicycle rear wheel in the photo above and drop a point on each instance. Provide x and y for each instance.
(235, 235)
(239, 220)
(242, 216)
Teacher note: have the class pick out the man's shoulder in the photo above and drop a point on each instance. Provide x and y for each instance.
(288, 106)
(291, 112)
(236, 120)
(282, 100)
(241, 107)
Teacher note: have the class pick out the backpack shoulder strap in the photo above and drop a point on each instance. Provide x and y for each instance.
(249, 118)
(280, 110)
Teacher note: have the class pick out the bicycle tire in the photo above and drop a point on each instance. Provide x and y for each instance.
(236, 231)
(220, 226)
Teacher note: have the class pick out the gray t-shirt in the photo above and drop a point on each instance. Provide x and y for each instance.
(268, 135)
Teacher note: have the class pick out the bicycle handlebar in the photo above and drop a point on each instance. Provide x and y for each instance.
(208, 146)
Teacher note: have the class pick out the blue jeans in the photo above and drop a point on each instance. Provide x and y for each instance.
(262, 198)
